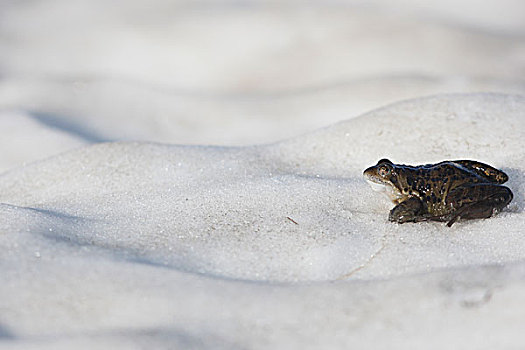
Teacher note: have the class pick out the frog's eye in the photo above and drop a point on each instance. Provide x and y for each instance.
(384, 170)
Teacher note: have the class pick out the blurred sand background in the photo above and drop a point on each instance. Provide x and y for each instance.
(236, 72)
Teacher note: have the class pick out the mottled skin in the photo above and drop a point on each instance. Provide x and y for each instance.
(445, 191)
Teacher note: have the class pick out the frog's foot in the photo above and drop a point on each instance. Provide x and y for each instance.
(478, 201)
(409, 210)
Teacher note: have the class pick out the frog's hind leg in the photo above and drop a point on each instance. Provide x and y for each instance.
(488, 172)
(477, 201)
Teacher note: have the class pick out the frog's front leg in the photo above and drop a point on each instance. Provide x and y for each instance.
(477, 201)
(410, 210)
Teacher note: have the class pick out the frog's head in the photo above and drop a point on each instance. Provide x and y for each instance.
(383, 177)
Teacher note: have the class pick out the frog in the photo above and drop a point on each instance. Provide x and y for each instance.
(447, 191)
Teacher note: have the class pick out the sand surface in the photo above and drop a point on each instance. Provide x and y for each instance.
(277, 245)
(189, 176)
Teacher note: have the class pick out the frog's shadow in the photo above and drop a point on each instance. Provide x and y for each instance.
(516, 179)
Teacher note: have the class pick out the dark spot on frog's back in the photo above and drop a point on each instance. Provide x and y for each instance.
(502, 178)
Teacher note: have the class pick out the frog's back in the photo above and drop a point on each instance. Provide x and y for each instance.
(455, 171)
(486, 171)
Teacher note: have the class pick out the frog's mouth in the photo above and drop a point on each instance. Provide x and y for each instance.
(378, 187)
(375, 182)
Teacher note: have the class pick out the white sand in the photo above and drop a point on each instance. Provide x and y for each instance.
(152, 240)
(136, 243)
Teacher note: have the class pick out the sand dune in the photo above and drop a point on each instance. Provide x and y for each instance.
(161, 243)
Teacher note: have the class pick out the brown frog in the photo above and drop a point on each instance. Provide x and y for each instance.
(446, 191)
